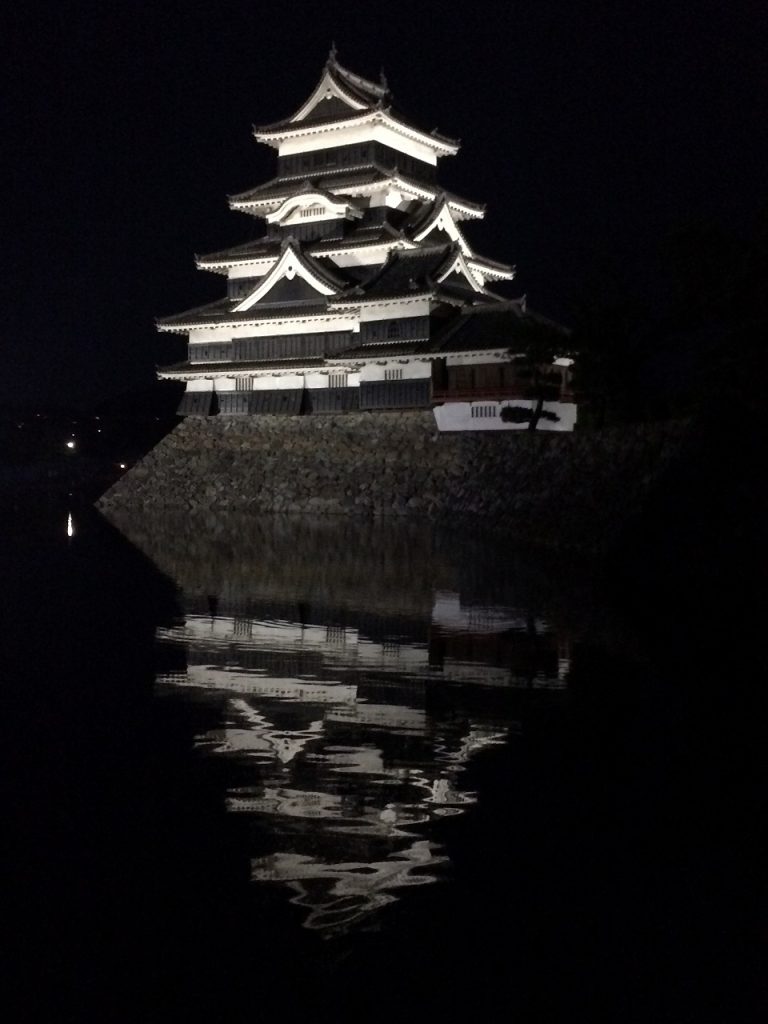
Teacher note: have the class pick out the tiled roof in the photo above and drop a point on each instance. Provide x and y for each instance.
(366, 234)
(493, 326)
(361, 89)
(248, 250)
(381, 350)
(352, 115)
(221, 312)
(366, 174)
(225, 367)
(406, 270)
(289, 184)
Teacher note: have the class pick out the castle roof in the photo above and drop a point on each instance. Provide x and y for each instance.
(206, 369)
(350, 181)
(412, 272)
(221, 313)
(344, 98)
(495, 326)
(369, 242)
(379, 350)
(266, 246)
(350, 91)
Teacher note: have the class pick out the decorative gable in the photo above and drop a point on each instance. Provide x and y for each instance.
(328, 88)
(312, 206)
(290, 266)
(442, 220)
(459, 268)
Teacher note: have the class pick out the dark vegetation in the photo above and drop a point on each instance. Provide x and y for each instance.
(693, 343)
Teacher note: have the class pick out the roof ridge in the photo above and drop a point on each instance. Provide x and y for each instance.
(332, 63)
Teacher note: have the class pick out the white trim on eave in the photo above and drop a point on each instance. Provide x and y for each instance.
(299, 130)
(461, 266)
(442, 220)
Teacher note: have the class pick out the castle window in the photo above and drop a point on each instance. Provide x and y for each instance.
(393, 330)
(337, 380)
(483, 412)
(393, 375)
(336, 635)
(243, 383)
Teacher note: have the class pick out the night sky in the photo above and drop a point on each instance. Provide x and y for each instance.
(589, 130)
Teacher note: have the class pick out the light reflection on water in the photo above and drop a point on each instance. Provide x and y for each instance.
(357, 672)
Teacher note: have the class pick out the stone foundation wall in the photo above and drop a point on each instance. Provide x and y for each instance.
(570, 489)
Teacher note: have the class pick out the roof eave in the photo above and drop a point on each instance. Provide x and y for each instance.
(274, 135)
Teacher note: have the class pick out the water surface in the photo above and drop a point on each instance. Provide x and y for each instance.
(339, 768)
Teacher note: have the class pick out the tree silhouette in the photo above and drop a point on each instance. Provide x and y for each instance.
(538, 342)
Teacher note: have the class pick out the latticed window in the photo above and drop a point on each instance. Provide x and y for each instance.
(336, 635)
(337, 380)
(312, 211)
(483, 412)
(393, 375)
(243, 383)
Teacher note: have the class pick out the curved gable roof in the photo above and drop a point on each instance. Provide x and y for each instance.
(339, 91)
(291, 264)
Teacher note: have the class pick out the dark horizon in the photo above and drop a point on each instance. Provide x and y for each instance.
(590, 136)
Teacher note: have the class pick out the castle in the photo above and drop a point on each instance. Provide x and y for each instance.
(363, 294)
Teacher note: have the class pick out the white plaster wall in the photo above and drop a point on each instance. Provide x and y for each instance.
(470, 358)
(322, 380)
(455, 416)
(391, 197)
(394, 310)
(200, 384)
(207, 334)
(274, 383)
(365, 256)
(256, 269)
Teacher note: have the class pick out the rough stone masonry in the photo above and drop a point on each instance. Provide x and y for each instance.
(577, 489)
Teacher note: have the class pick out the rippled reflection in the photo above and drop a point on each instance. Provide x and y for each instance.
(356, 671)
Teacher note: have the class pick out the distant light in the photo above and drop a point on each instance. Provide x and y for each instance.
(123, 466)
(70, 444)
(70, 525)
(98, 430)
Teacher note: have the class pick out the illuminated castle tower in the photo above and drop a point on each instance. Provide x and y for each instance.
(363, 293)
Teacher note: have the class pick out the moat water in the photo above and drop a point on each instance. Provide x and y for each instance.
(352, 769)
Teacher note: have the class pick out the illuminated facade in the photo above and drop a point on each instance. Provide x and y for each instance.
(363, 294)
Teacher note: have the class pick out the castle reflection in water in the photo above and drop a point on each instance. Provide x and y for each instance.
(357, 669)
